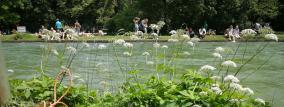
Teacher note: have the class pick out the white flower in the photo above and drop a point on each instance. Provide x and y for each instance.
(215, 85)
(10, 70)
(76, 76)
(231, 78)
(145, 53)
(154, 34)
(102, 46)
(248, 32)
(185, 37)
(207, 68)
(233, 100)
(134, 37)
(259, 100)
(81, 80)
(71, 49)
(215, 78)
(219, 49)
(128, 45)
(156, 45)
(127, 54)
(119, 42)
(150, 63)
(173, 32)
(86, 44)
(202, 93)
(103, 83)
(165, 47)
(154, 26)
(196, 105)
(271, 37)
(247, 91)
(217, 55)
(102, 33)
(190, 43)
(172, 40)
(217, 90)
(229, 63)
(54, 51)
(139, 33)
(236, 86)
(186, 53)
(194, 39)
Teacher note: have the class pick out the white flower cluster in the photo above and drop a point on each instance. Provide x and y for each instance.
(229, 63)
(186, 53)
(134, 37)
(248, 32)
(219, 49)
(194, 39)
(102, 46)
(190, 43)
(215, 78)
(234, 100)
(165, 47)
(196, 105)
(150, 63)
(128, 45)
(217, 55)
(156, 45)
(71, 49)
(154, 34)
(172, 32)
(172, 40)
(231, 78)
(216, 90)
(127, 54)
(271, 37)
(247, 91)
(145, 53)
(259, 100)
(154, 26)
(119, 42)
(236, 86)
(207, 68)
(185, 37)
(139, 33)
(203, 93)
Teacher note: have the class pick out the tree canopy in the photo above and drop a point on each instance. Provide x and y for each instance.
(118, 14)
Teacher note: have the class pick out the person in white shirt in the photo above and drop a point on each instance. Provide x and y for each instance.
(202, 32)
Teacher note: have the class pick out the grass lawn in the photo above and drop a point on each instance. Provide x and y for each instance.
(32, 37)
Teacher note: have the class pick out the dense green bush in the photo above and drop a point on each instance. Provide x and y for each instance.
(192, 89)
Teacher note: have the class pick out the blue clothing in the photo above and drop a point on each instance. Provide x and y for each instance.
(58, 25)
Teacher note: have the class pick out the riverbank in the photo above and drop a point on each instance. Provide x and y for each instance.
(106, 39)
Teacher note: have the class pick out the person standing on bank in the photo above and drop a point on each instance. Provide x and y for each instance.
(136, 24)
(77, 27)
(58, 26)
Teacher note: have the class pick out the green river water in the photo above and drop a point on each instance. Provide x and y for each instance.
(94, 65)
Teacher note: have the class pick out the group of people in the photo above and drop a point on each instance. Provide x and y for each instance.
(201, 32)
(59, 27)
(140, 25)
(232, 33)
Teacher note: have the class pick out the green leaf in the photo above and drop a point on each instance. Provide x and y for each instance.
(27, 93)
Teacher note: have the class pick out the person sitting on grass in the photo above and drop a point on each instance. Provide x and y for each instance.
(236, 32)
(190, 32)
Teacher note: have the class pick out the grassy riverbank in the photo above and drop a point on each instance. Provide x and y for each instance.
(27, 37)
